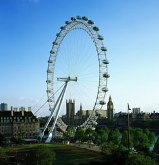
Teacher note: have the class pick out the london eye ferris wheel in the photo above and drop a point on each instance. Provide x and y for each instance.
(78, 59)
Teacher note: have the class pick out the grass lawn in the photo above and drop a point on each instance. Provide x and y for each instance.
(65, 154)
(68, 155)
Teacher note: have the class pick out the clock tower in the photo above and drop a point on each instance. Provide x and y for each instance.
(110, 109)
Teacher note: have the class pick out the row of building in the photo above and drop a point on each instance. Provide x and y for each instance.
(18, 123)
(3, 107)
(76, 119)
(21, 123)
(107, 116)
(136, 117)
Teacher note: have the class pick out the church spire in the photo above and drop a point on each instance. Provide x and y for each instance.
(80, 106)
(80, 111)
(110, 98)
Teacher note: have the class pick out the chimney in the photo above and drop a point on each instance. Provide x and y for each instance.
(22, 112)
(15, 109)
(22, 109)
(29, 109)
(12, 112)
(11, 108)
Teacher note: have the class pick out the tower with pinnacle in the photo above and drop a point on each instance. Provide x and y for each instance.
(110, 109)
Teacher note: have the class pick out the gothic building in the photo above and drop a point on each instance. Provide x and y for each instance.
(80, 112)
(70, 109)
(78, 118)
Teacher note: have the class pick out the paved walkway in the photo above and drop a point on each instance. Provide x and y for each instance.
(87, 146)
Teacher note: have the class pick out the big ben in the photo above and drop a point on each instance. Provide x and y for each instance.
(110, 109)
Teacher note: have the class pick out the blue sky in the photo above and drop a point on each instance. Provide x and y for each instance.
(131, 32)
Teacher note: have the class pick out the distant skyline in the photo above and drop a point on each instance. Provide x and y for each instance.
(131, 33)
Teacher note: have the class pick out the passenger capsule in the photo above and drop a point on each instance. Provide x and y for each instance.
(95, 28)
(103, 48)
(100, 37)
(90, 22)
(73, 18)
(102, 102)
(67, 22)
(62, 28)
(105, 61)
(79, 17)
(48, 91)
(106, 75)
(50, 61)
(49, 71)
(85, 18)
(58, 35)
(48, 81)
(104, 89)
(55, 43)
(52, 52)
(49, 100)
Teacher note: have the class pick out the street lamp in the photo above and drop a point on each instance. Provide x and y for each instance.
(128, 129)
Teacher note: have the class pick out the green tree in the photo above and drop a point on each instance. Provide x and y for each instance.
(146, 131)
(109, 148)
(124, 139)
(152, 138)
(114, 136)
(139, 159)
(156, 147)
(80, 134)
(90, 135)
(70, 133)
(102, 135)
(140, 140)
